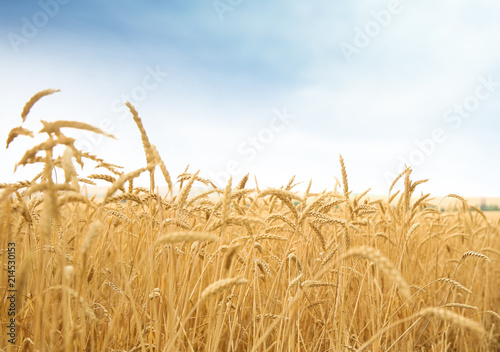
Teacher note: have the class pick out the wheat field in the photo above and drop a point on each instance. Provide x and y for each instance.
(237, 268)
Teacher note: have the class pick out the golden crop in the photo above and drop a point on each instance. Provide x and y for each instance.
(239, 268)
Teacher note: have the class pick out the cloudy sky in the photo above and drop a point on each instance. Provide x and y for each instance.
(275, 89)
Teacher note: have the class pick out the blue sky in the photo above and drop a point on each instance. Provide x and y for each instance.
(274, 89)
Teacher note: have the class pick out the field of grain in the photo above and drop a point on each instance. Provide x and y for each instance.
(239, 268)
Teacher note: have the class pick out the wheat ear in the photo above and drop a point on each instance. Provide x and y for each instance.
(453, 318)
(344, 178)
(186, 236)
(34, 99)
(18, 131)
(385, 265)
(220, 286)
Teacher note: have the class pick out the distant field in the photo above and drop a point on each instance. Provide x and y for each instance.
(237, 268)
(494, 215)
(100, 191)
